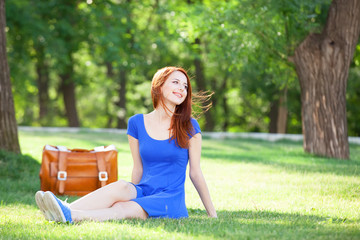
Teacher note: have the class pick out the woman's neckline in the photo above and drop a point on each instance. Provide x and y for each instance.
(143, 116)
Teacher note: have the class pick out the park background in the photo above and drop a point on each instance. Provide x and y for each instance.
(89, 64)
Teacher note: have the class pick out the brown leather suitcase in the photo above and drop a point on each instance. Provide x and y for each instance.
(77, 171)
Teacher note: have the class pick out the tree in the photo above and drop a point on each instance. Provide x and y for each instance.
(8, 127)
(66, 29)
(40, 39)
(114, 47)
(322, 63)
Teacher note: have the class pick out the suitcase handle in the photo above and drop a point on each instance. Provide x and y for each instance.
(81, 150)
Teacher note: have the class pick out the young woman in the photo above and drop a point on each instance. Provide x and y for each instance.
(162, 143)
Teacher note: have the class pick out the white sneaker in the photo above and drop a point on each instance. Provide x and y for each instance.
(39, 198)
(60, 210)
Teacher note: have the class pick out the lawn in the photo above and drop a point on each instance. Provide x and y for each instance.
(261, 190)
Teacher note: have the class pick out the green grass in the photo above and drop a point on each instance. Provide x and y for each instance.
(261, 190)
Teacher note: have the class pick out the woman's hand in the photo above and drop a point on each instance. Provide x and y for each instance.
(197, 176)
(213, 215)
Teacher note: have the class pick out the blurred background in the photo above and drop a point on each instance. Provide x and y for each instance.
(90, 63)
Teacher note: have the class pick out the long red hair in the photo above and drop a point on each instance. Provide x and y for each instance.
(180, 126)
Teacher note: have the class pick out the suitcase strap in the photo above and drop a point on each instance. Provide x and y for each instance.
(62, 174)
(103, 175)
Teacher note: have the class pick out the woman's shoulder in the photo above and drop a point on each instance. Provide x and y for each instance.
(134, 125)
(195, 125)
(136, 117)
(194, 121)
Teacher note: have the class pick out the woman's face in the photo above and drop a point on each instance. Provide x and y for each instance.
(174, 89)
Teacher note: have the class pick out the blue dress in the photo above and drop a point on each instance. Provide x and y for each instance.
(160, 191)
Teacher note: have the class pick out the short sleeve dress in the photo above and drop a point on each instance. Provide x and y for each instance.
(161, 191)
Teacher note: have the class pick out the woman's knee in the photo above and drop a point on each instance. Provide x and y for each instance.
(123, 190)
(122, 185)
(130, 209)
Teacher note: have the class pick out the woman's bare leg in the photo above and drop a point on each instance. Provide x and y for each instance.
(119, 210)
(106, 196)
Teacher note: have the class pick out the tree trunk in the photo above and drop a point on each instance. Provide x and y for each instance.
(42, 70)
(8, 128)
(224, 103)
(278, 114)
(110, 74)
(68, 91)
(282, 112)
(322, 63)
(121, 116)
(201, 86)
(273, 115)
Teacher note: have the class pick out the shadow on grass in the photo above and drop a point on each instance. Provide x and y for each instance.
(253, 224)
(283, 154)
(19, 178)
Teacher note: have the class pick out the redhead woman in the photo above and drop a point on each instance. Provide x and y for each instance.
(162, 143)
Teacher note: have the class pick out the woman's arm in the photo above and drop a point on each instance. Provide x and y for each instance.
(137, 167)
(197, 176)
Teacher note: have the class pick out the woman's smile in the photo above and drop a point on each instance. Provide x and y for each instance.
(179, 95)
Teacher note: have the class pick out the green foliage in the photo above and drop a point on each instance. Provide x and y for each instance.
(245, 47)
(353, 95)
(353, 99)
(261, 190)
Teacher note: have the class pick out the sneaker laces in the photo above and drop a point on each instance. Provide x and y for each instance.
(65, 203)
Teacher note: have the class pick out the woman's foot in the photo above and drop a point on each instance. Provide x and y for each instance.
(58, 209)
(39, 198)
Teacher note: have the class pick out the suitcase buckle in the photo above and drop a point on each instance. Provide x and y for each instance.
(62, 175)
(103, 176)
